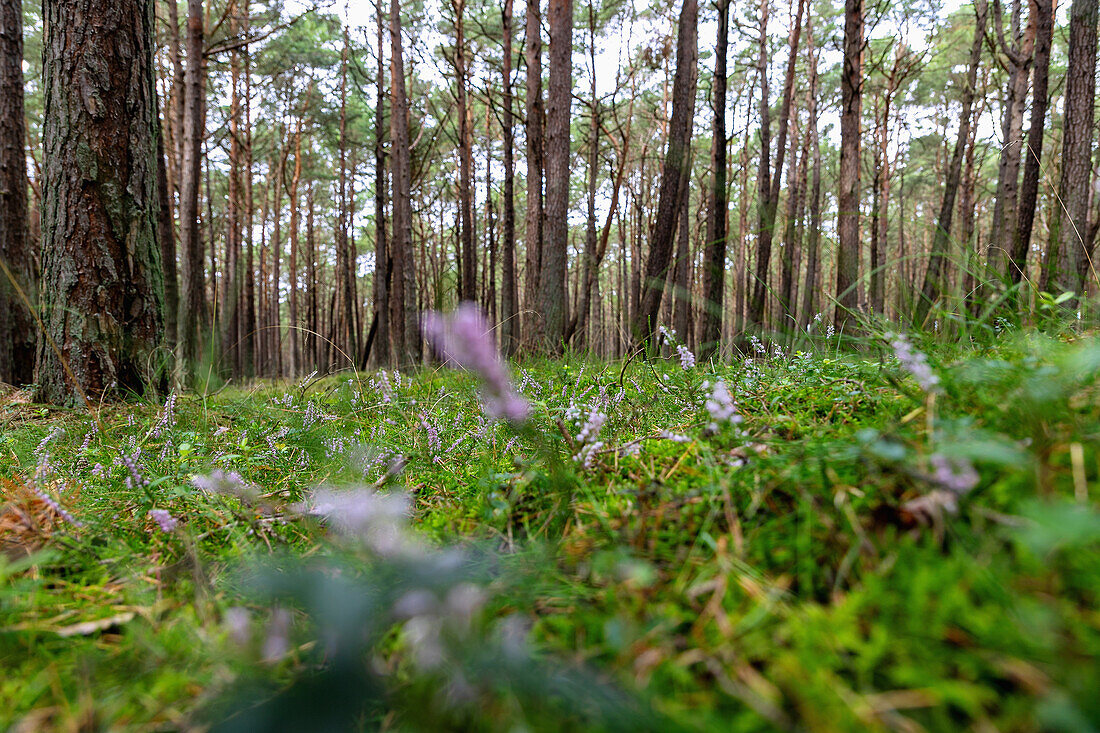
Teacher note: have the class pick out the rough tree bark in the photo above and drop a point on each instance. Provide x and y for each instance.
(103, 295)
(553, 297)
(851, 86)
(404, 316)
(1043, 10)
(1068, 243)
(508, 296)
(534, 215)
(1019, 57)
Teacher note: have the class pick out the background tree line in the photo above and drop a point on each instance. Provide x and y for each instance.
(249, 188)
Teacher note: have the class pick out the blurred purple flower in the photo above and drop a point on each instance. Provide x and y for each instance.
(915, 363)
(465, 338)
(166, 521)
(956, 475)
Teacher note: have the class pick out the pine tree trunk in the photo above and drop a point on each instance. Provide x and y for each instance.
(553, 302)
(249, 326)
(935, 276)
(509, 306)
(769, 179)
(17, 327)
(813, 236)
(714, 265)
(1068, 242)
(404, 314)
(103, 295)
(1033, 158)
(534, 215)
(1008, 170)
(380, 346)
(674, 174)
(192, 302)
(851, 82)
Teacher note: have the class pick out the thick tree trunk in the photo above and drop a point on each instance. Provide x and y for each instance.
(553, 298)
(674, 174)
(1019, 56)
(851, 86)
(934, 277)
(1068, 243)
(17, 327)
(103, 296)
(1043, 11)
(404, 315)
(714, 263)
(509, 307)
(534, 214)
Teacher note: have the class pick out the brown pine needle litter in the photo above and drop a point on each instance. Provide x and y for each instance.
(27, 520)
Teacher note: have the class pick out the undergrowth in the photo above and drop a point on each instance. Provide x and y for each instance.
(849, 547)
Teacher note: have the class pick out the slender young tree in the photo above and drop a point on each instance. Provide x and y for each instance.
(674, 174)
(103, 295)
(17, 328)
(934, 277)
(192, 302)
(813, 235)
(769, 178)
(851, 88)
(509, 306)
(468, 284)
(383, 263)
(714, 267)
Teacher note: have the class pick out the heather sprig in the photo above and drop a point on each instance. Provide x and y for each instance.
(915, 362)
(464, 337)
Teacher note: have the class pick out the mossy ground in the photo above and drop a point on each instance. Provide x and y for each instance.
(768, 576)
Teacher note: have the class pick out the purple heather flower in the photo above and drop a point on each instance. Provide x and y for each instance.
(166, 521)
(135, 480)
(721, 408)
(687, 359)
(464, 337)
(915, 363)
(222, 482)
(377, 519)
(955, 475)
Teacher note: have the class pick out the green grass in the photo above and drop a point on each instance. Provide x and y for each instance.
(765, 578)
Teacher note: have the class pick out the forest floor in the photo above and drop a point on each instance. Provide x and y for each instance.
(856, 554)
